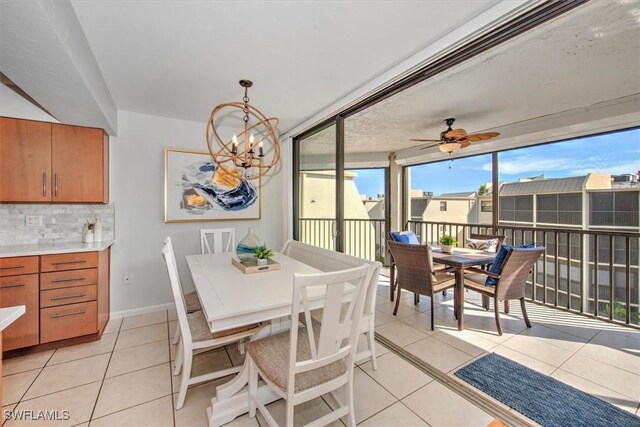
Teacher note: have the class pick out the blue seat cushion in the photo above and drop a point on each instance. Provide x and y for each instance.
(496, 267)
(405, 237)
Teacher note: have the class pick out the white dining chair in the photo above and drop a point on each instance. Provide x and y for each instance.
(297, 250)
(195, 334)
(309, 361)
(217, 237)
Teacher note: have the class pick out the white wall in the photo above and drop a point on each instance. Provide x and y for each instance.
(137, 188)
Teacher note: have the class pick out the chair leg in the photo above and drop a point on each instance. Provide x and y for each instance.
(176, 336)
(395, 309)
(444, 293)
(289, 422)
(184, 380)
(432, 315)
(485, 302)
(372, 346)
(496, 307)
(416, 298)
(348, 392)
(524, 313)
(253, 387)
(241, 346)
(506, 306)
(179, 357)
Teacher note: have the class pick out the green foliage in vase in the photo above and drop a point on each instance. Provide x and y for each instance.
(263, 252)
(447, 240)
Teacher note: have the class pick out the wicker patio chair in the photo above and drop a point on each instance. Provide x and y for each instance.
(511, 281)
(414, 272)
(485, 237)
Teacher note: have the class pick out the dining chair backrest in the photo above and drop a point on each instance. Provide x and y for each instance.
(413, 266)
(327, 260)
(515, 270)
(223, 240)
(176, 288)
(487, 237)
(341, 287)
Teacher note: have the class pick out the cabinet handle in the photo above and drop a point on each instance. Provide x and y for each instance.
(15, 285)
(12, 267)
(55, 185)
(69, 262)
(75, 313)
(69, 280)
(67, 297)
(44, 183)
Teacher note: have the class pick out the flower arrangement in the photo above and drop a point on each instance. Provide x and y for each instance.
(448, 240)
(263, 254)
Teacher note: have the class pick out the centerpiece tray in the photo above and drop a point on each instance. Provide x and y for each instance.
(251, 267)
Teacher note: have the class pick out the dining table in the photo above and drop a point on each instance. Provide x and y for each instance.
(458, 260)
(230, 299)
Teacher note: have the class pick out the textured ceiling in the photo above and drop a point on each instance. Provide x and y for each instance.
(588, 56)
(179, 59)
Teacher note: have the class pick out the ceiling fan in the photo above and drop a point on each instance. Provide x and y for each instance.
(454, 139)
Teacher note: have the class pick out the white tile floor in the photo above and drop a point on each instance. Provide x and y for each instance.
(125, 379)
(597, 357)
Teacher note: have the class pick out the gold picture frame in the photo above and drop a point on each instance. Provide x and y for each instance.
(215, 195)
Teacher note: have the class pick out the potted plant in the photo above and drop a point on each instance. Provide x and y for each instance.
(447, 243)
(263, 254)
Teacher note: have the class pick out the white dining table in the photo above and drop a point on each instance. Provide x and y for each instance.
(231, 299)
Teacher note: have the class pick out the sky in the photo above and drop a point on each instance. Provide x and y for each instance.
(614, 153)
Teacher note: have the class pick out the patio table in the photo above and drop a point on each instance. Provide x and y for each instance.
(460, 259)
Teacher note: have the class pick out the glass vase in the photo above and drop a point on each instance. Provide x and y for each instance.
(246, 247)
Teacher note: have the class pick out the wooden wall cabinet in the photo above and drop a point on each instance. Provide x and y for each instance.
(66, 296)
(48, 162)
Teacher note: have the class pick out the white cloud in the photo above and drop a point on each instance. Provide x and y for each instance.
(629, 167)
(526, 164)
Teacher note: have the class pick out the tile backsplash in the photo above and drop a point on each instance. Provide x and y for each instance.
(60, 223)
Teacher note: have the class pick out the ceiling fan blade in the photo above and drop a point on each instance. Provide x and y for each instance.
(456, 133)
(481, 136)
(425, 140)
(430, 146)
(464, 143)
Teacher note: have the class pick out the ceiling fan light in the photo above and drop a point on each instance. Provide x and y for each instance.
(449, 147)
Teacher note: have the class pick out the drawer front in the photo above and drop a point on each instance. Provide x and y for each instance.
(18, 265)
(67, 279)
(74, 261)
(68, 321)
(21, 290)
(64, 296)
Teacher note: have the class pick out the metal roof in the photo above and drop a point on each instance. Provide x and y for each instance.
(541, 186)
(463, 194)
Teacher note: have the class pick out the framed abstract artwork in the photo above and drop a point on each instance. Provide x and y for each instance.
(196, 190)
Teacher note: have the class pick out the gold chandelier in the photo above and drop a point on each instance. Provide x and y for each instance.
(253, 151)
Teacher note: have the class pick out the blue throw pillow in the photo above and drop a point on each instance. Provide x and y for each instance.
(405, 237)
(499, 260)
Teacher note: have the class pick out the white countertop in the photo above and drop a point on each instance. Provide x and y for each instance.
(53, 248)
(9, 315)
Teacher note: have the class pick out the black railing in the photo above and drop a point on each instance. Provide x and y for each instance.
(587, 271)
(364, 238)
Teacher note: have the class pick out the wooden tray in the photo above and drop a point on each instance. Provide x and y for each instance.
(250, 267)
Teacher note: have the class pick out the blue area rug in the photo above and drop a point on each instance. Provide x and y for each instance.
(543, 399)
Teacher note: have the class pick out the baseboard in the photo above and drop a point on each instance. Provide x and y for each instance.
(141, 310)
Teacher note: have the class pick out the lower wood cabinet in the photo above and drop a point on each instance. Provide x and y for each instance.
(68, 321)
(21, 290)
(66, 296)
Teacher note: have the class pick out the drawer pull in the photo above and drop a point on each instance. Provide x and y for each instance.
(67, 297)
(15, 285)
(74, 313)
(12, 267)
(69, 262)
(76, 279)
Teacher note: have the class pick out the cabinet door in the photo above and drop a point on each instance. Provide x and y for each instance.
(25, 161)
(21, 290)
(79, 159)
